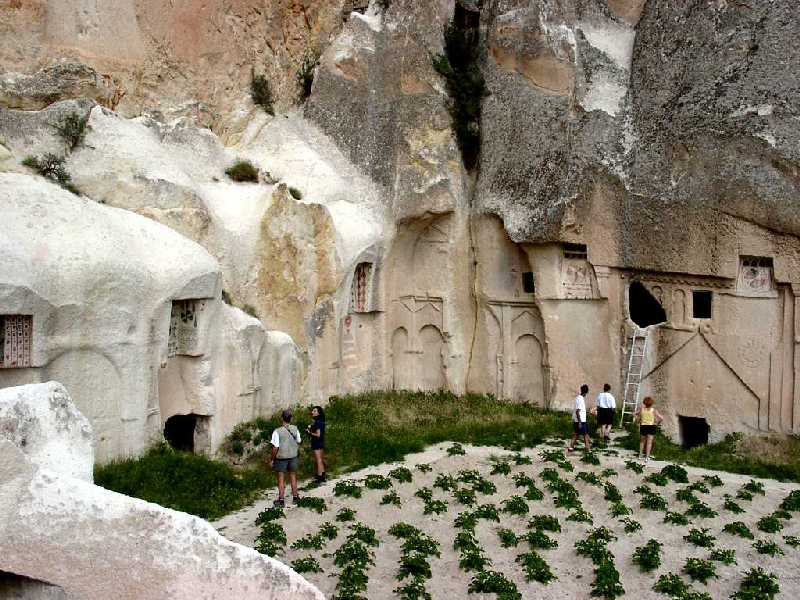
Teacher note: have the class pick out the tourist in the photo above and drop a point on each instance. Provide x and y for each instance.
(317, 432)
(648, 418)
(579, 426)
(605, 406)
(285, 456)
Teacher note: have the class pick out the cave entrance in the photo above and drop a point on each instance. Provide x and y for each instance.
(693, 431)
(644, 309)
(187, 433)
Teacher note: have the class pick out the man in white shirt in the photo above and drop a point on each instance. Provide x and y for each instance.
(579, 426)
(285, 456)
(606, 404)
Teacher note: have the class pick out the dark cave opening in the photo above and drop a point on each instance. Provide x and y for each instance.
(179, 432)
(644, 309)
(693, 431)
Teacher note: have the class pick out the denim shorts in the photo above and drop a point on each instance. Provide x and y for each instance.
(580, 428)
(282, 465)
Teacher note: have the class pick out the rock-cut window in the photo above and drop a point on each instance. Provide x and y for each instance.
(184, 329)
(16, 332)
(361, 291)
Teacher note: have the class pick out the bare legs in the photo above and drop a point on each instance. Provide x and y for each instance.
(645, 446)
(282, 484)
(575, 440)
(318, 458)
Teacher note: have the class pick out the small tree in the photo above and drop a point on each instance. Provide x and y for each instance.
(261, 93)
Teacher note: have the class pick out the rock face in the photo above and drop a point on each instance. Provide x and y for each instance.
(127, 314)
(84, 540)
(621, 142)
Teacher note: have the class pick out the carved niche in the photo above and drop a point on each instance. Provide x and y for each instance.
(755, 277)
(16, 333)
(418, 344)
(184, 330)
(576, 273)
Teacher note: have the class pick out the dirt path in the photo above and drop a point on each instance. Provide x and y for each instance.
(574, 572)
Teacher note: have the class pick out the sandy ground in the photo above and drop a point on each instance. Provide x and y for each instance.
(575, 573)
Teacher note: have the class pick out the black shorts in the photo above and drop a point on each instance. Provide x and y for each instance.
(580, 428)
(317, 445)
(647, 429)
(605, 416)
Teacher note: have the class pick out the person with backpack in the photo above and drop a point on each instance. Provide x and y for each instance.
(286, 456)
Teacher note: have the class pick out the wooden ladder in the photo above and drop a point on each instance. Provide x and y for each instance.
(633, 379)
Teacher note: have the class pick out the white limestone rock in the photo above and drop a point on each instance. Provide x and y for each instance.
(94, 544)
(44, 423)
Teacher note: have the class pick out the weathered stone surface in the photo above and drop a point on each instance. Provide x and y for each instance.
(51, 84)
(43, 422)
(86, 540)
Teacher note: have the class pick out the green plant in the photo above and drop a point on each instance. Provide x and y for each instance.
(465, 496)
(609, 472)
(675, 518)
(445, 482)
(612, 493)
(345, 514)
(522, 480)
(459, 66)
(466, 520)
(792, 541)
(364, 534)
(618, 509)
(508, 538)
(702, 510)
(309, 542)
(676, 473)
(634, 466)
(424, 468)
(631, 525)
(782, 514)
(328, 530)
(700, 537)
(377, 482)
(272, 539)
(732, 506)
(424, 493)
(391, 498)
(765, 547)
(539, 539)
(413, 590)
(725, 556)
(648, 557)
(590, 478)
(493, 582)
(754, 487)
(401, 474)
(521, 459)
(485, 487)
(533, 493)
(500, 467)
(671, 585)
(757, 585)
(686, 495)
(536, 568)
(315, 504)
(347, 487)
(744, 495)
(606, 582)
(295, 193)
(699, 486)
(273, 513)
(72, 130)
(653, 501)
(579, 515)
(700, 569)
(643, 490)
(261, 93)
(473, 560)
(658, 479)
(792, 501)
(516, 505)
(713, 480)
(414, 565)
(769, 524)
(52, 167)
(308, 564)
(545, 523)
(435, 507)
(305, 74)
(242, 171)
(487, 512)
(590, 458)
(738, 528)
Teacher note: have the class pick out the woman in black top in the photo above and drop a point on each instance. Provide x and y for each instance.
(317, 432)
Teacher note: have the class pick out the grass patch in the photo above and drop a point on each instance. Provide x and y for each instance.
(52, 167)
(722, 456)
(182, 481)
(242, 171)
(261, 93)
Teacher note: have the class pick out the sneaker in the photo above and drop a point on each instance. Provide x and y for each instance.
(279, 503)
(646, 459)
